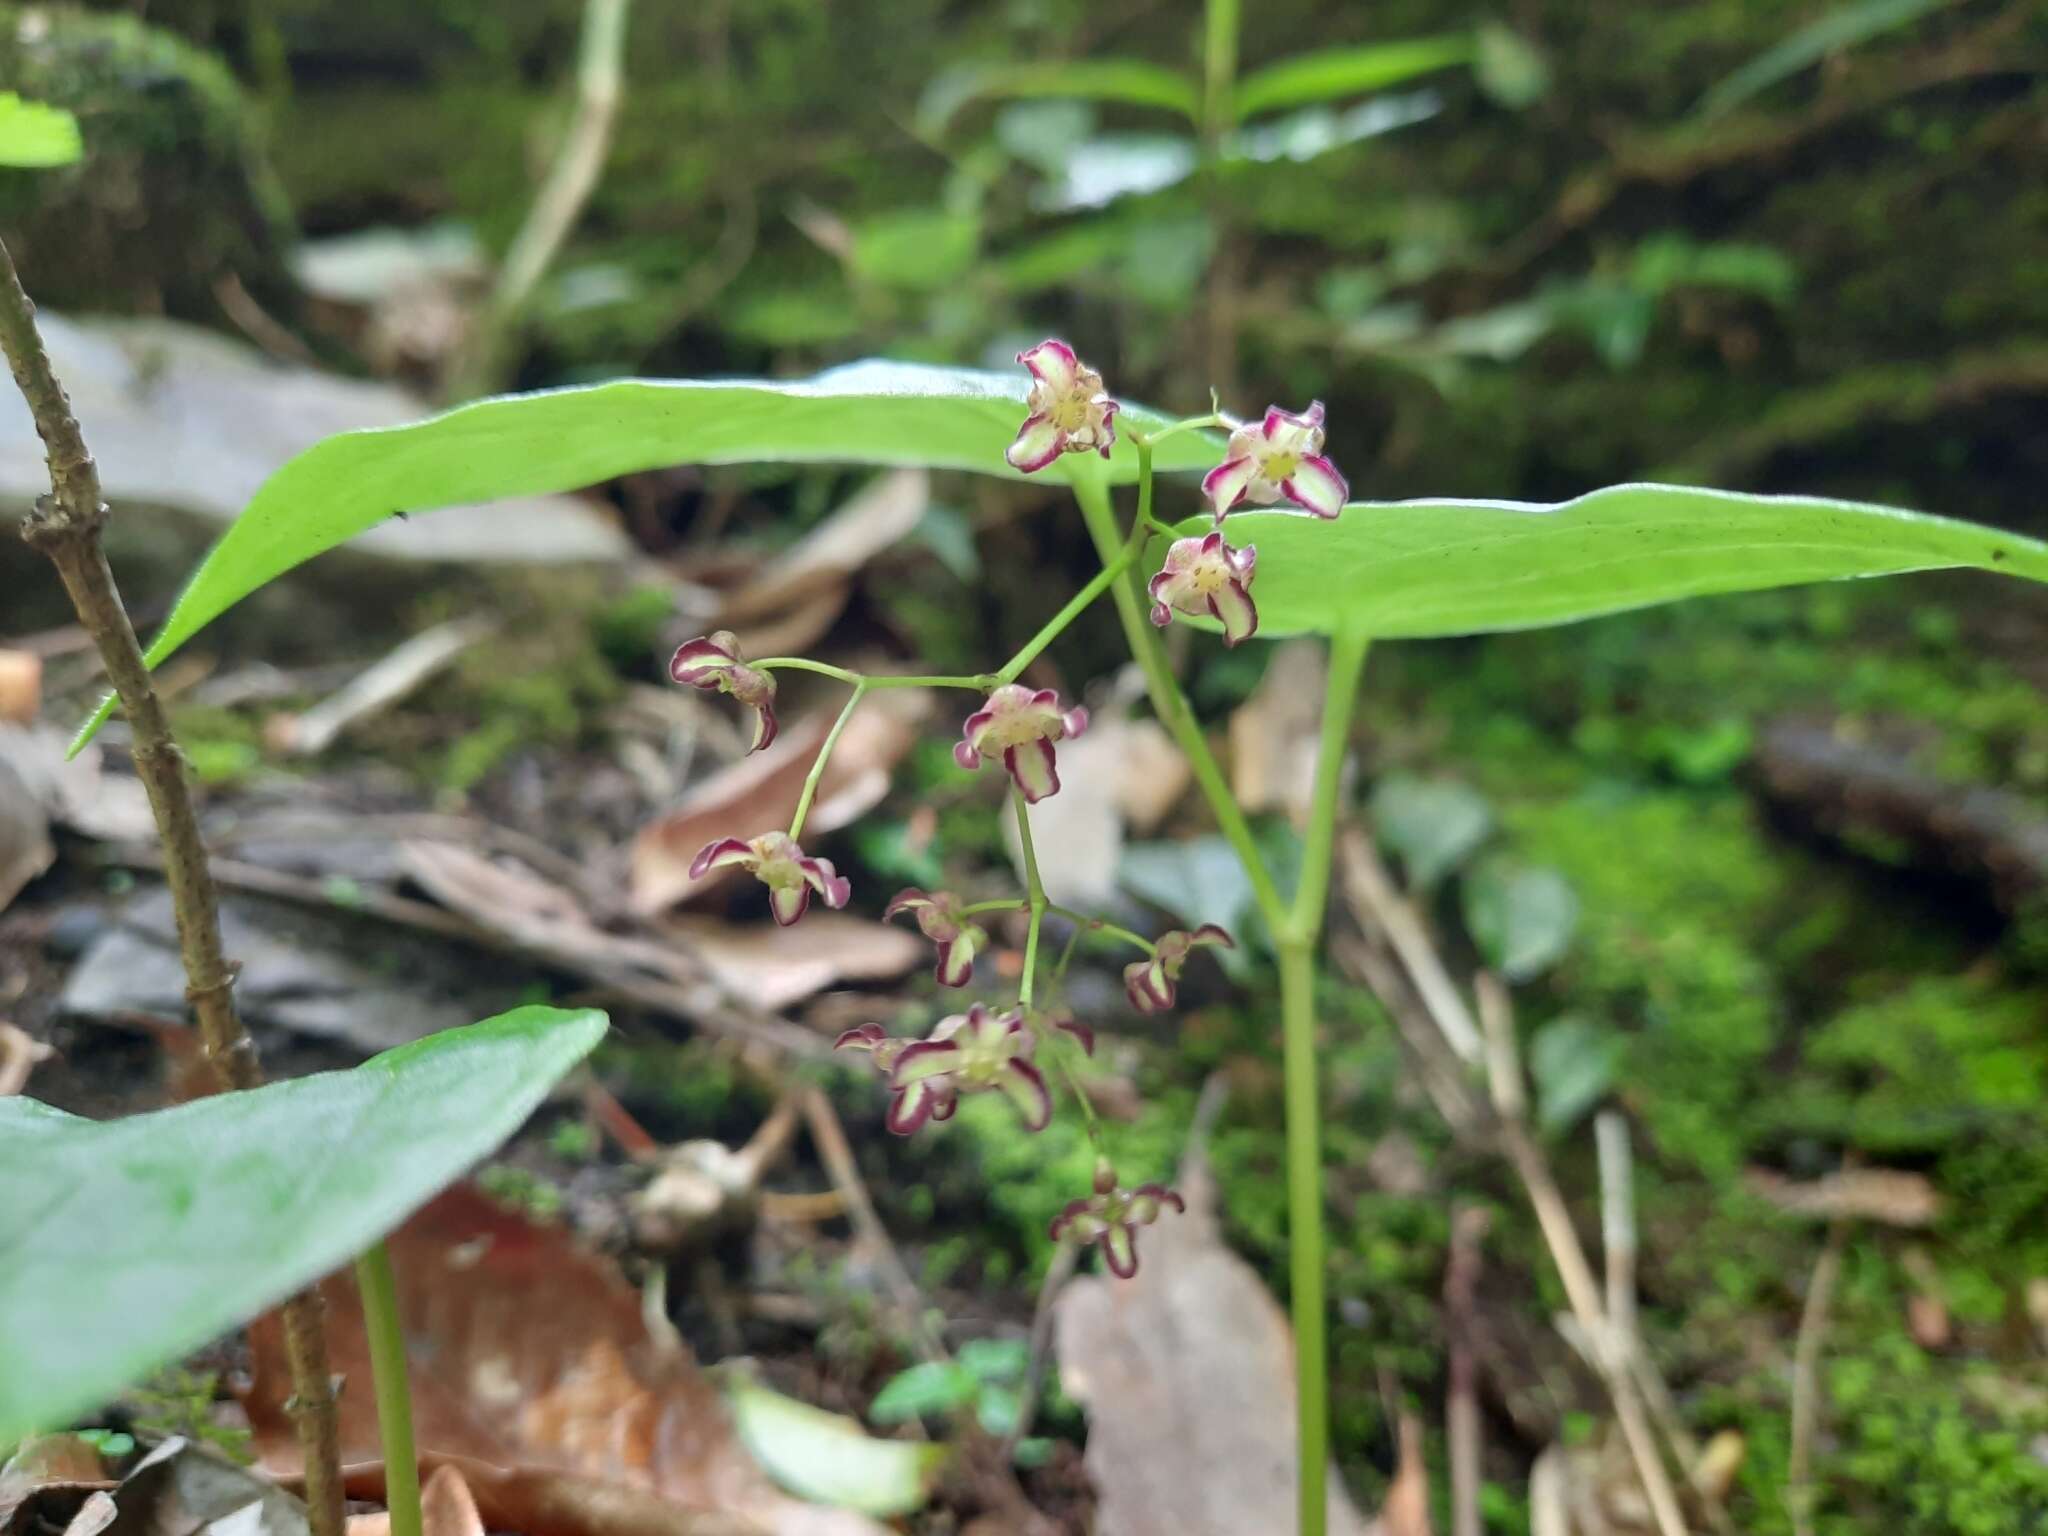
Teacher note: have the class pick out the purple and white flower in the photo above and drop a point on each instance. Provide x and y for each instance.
(912, 1103)
(1111, 1218)
(939, 916)
(1021, 724)
(1208, 578)
(972, 1052)
(1070, 413)
(1280, 456)
(1151, 985)
(777, 862)
(713, 664)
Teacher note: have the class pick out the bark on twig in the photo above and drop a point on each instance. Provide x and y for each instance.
(66, 527)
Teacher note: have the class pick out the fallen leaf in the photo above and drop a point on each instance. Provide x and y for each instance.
(758, 793)
(1187, 1373)
(1275, 733)
(1887, 1195)
(183, 1489)
(1721, 1458)
(21, 686)
(1405, 1512)
(47, 1480)
(78, 793)
(531, 1356)
(829, 1457)
(545, 1503)
(25, 846)
(770, 966)
(795, 598)
(447, 1508)
(94, 1515)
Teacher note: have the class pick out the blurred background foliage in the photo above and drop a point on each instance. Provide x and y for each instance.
(1753, 243)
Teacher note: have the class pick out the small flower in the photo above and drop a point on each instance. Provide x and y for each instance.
(712, 663)
(777, 862)
(1069, 411)
(971, 1053)
(1112, 1216)
(1022, 725)
(1063, 1019)
(1208, 578)
(1281, 456)
(1151, 984)
(959, 941)
(930, 1098)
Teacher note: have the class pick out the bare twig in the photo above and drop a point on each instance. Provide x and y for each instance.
(1813, 1330)
(829, 1137)
(66, 527)
(382, 684)
(1617, 1220)
(1496, 1017)
(1370, 886)
(1461, 1409)
(600, 75)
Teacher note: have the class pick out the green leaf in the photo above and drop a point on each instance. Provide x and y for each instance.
(991, 1360)
(1520, 916)
(34, 136)
(916, 249)
(1839, 29)
(132, 1242)
(830, 1459)
(1132, 81)
(556, 440)
(1404, 570)
(929, 1387)
(1330, 74)
(1509, 68)
(1573, 1064)
(1433, 824)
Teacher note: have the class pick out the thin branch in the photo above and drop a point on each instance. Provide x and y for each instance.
(1461, 1408)
(1813, 1331)
(600, 76)
(66, 527)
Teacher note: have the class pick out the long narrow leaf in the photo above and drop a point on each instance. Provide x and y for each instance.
(1132, 81)
(1843, 28)
(1418, 568)
(34, 136)
(556, 440)
(1333, 74)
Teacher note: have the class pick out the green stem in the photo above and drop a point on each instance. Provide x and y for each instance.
(983, 681)
(1086, 924)
(1305, 1228)
(1036, 902)
(1003, 904)
(1075, 606)
(803, 802)
(1219, 72)
(1172, 706)
(394, 1401)
(1311, 896)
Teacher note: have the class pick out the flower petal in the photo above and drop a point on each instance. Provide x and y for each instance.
(1035, 769)
(1038, 442)
(725, 853)
(1148, 1200)
(864, 1037)
(1212, 933)
(787, 903)
(698, 663)
(1082, 1034)
(1078, 1220)
(1234, 609)
(909, 899)
(956, 962)
(1073, 722)
(911, 1105)
(826, 881)
(1024, 1086)
(1315, 486)
(1291, 433)
(1053, 363)
(925, 1058)
(1120, 1250)
(1225, 484)
(764, 727)
(1148, 986)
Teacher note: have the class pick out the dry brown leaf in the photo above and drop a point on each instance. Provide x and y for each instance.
(542, 1503)
(94, 1515)
(1714, 1474)
(19, 1054)
(21, 686)
(1187, 1372)
(532, 1356)
(46, 1480)
(795, 598)
(447, 1508)
(771, 967)
(758, 793)
(1887, 1195)
(1274, 734)
(1406, 1510)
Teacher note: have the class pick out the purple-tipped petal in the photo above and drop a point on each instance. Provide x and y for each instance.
(1120, 1250)
(724, 853)
(1292, 433)
(787, 903)
(1083, 1035)
(697, 663)
(909, 899)
(1034, 768)
(765, 727)
(911, 1105)
(1073, 722)
(1315, 486)
(965, 755)
(925, 1058)
(1233, 608)
(1024, 1086)
(1213, 933)
(956, 963)
(1038, 442)
(1225, 484)
(1053, 364)
(1148, 1200)
(826, 881)
(1148, 986)
(863, 1037)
